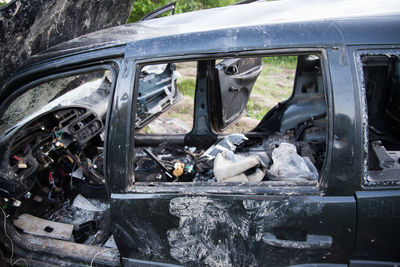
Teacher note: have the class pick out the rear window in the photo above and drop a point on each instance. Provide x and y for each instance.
(380, 83)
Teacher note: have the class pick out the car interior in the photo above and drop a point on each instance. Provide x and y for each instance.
(197, 122)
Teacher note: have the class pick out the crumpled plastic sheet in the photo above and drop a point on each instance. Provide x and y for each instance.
(288, 165)
(229, 167)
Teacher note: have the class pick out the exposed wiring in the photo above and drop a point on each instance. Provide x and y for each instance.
(17, 158)
(5, 232)
(53, 187)
(98, 253)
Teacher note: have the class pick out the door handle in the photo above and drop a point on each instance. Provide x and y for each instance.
(312, 242)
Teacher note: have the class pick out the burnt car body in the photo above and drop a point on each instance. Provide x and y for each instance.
(70, 122)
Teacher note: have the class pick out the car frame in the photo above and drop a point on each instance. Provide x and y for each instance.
(347, 218)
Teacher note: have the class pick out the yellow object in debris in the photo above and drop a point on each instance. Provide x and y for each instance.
(178, 169)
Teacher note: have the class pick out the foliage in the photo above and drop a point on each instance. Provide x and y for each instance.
(142, 7)
(283, 61)
(255, 110)
(3, 3)
(187, 86)
(190, 5)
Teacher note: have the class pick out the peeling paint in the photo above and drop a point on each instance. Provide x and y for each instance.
(146, 238)
(198, 238)
(219, 233)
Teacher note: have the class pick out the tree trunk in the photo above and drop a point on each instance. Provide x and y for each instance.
(28, 27)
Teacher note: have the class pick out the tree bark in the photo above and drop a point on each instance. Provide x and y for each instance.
(28, 27)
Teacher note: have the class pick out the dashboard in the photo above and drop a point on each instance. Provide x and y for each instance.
(55, 140)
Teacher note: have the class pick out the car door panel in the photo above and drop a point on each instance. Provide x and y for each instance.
(226, 230)
(234, 81)
(378, 235)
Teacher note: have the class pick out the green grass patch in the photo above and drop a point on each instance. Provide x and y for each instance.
(142, 7)
(146, 130)
(255, 110)
(186, 86)
(275, 83)
(283, 61)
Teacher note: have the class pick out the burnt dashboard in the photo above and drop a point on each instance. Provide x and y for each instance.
(52, 141)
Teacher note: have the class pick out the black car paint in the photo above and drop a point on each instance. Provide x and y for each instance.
(352, 213)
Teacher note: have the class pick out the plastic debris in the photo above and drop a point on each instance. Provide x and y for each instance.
(110, 243)
(229, 143)
(287, 164)
(229, 167)
(178, 169)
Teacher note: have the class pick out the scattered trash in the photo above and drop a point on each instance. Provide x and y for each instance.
(235, 158)
(191, 149)
(229, 167)
(178, 169)
(205, 177)
(78, 173)
(287, 164)
(110, 243)
(167, 172)
(17, 203)
(229, 143)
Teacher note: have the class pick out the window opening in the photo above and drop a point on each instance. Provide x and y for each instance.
(382, 88)
(266, 116)
(55, 158)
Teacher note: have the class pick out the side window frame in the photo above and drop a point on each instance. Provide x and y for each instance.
(358, 54)
(325, 76)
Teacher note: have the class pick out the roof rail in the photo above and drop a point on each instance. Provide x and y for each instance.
(157, 12)
(247, 2)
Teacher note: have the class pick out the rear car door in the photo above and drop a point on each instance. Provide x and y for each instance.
(233, 228)
(234, 79)
(378, 200)
(223, 224)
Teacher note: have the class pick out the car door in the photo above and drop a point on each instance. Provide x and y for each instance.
(265, 227)
(378, 201)
(223, 224)
(234, 81)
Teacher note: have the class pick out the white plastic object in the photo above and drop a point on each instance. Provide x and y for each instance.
(287, 164)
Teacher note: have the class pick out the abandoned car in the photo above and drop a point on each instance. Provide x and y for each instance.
(156, 143)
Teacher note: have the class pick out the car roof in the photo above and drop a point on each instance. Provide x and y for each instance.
(254, 14)
(231, 29)
(313, 12)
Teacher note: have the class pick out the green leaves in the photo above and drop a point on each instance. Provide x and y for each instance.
(142, 7)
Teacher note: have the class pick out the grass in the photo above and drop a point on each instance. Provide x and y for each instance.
(186, 86)
(283, 61)
(273, 85)
(255, 111)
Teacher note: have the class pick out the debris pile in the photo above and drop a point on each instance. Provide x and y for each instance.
(234, 158)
